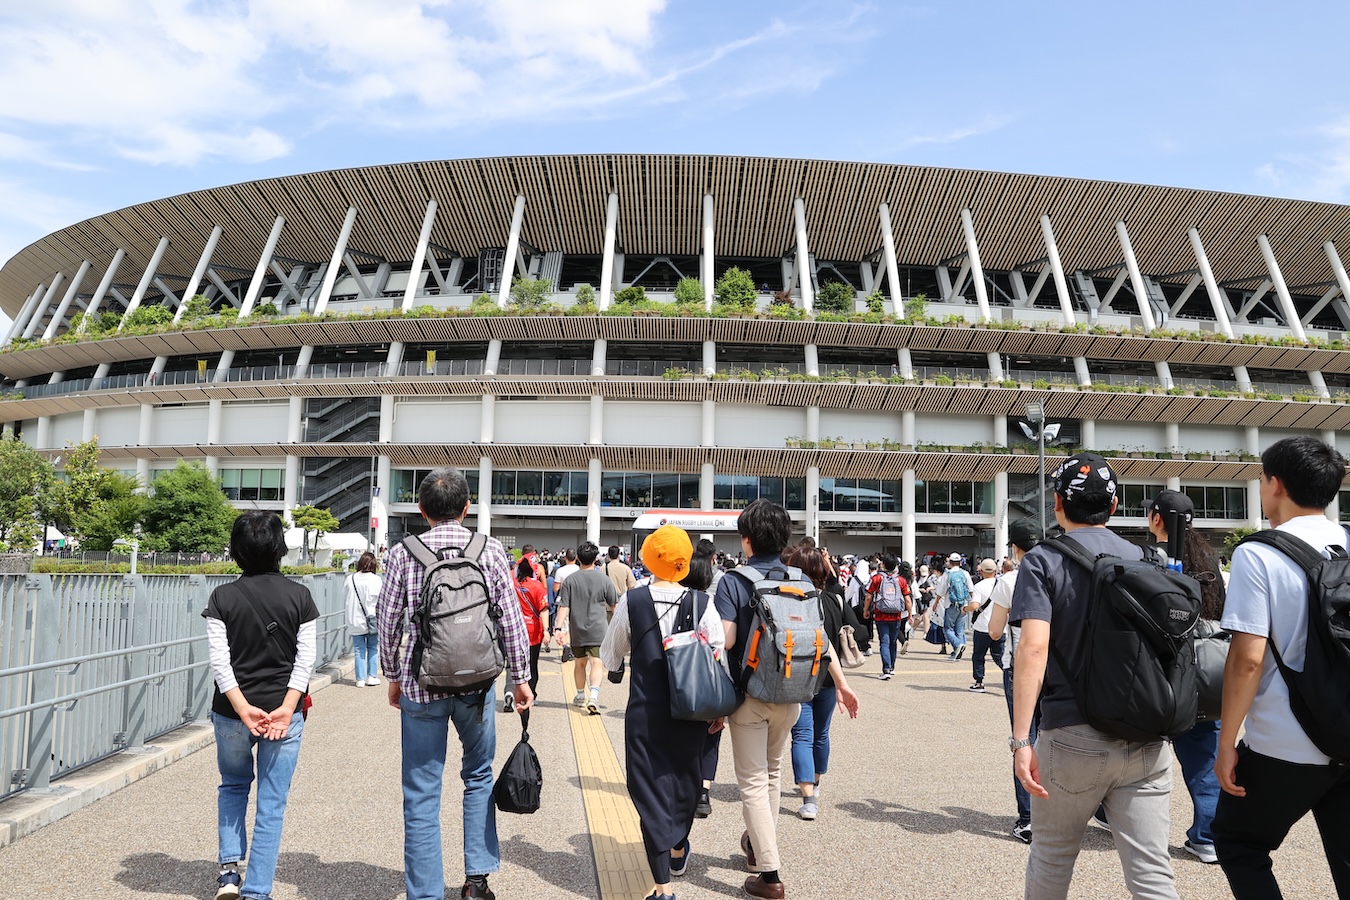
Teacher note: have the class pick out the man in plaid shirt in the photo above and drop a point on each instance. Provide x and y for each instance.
(443, 498)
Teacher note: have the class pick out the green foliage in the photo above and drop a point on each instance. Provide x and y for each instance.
(188, 511)
(876, 302)
(199, 307)
(266, 310)
(916, 308)
(689, 290)
(529, 294)
(116, 514)
(1230, 541)
(630, 295)
(735, 290)
(24, 477)
(836, 297)
(313, 519)
(585, 295)
(149, 317)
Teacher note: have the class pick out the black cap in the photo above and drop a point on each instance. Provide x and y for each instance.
(1025, 533)
(1172, 502)
(1085, 477)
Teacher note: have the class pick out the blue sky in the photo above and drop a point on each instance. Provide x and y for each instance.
(113, 102)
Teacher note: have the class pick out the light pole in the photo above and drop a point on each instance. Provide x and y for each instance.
(1038, 431)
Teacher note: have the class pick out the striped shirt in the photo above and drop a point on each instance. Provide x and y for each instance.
(403, 589)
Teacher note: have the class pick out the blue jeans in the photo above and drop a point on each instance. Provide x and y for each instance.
(811, 737)
(984, 644)
(426, 730)
(888, 635)
(276, 765)
(1196, 750)
(954, 626)
(366, 647)
(1023, 798)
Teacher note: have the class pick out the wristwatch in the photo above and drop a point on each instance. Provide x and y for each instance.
(1015, 744)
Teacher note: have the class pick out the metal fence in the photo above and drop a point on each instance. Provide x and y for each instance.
(94, 664)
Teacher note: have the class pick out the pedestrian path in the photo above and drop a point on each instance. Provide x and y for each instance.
(917, 803)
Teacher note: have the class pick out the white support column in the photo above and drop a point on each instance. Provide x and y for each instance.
(512, 249)
(25, 313)
(291, 497)
(813, 423)
(144, 284)
(594, 474)
(888, 256)
(255, 286)
(214, 408)
(1172, 436)
(709, 435)
(419, 255)
(88, 426)
(1211, 284)
(66, 300)
(812, 360)
(813, 502)
(1334, 507)
(1254, 516)
(487, 420)
(101, 291)
(803, 256)
(598, 358)
(706, 479)
(709, 235)
(1080, 371)
(1000, 491)
(302, 361)
(976, 269)
(905, 362)
(1281, 289)
(494, 357)
(203, 263)
(330, 274)
(607, 262)
(44, 431)
(1338, 269)
(908, 522)
(144, 437)
(709, 357)
(484, 524)
(597, 429)
(43, 305)
(1089, 436)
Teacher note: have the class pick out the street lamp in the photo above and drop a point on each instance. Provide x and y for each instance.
(1039, 431)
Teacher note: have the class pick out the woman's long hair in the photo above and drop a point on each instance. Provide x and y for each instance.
(812, 563)
(1199, 560)
(700, 566)
(524, 569)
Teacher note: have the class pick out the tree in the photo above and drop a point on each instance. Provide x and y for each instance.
(188, 512)
(530, 294)
(585, 295)
(316, 519)
(115, 516)
(689, 290)
(634, 293)
(835, 297)
(735, 290)
(199, 307)
(149, 317)
(24, 478)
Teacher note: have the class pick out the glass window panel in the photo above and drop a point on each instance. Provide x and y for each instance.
(920, 496)
(795, 489)
(1236, 502)
(579, 488)
(637, 489)
(665, 491)
(271, 478)
(963, 500)
(250, 478)
(722, 491)
(890, 495)
(530, 487)
(503, 486)
(827, 499)
(689, 492)
(229, 478)
(869, 495)
(771, 488)
(984, 497)
(939, 496)
(553, 487)
(269, 493)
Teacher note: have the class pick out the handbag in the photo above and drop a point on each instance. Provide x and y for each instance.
(700, 688)
(850, 657)
(1211, 655)
(520, 786)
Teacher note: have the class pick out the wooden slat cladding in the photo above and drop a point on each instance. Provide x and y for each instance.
(660, 213)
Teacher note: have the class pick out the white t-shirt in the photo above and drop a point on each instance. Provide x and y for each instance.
(1002, 597)
(978, 594)
(561, 575)
(1268, 597)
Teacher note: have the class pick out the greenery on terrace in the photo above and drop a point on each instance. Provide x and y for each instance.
(734, 296)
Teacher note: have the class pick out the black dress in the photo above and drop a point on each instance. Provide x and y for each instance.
(664, 755)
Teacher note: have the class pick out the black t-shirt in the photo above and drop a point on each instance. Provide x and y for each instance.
(1055, 589)
(261, 665)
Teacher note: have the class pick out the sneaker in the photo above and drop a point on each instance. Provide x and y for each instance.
(1203, 852)
(1099, 819)
(228, 885)
(593, 705)
(360, 683)
(977, 687)
(579, 699)
(747, 850)
(809, 810)
(472, 890)
(904, 648)
(703, 808)
(951, 657)
(960, 652)
(680, 864)
(885, 676)
(1022, 833)
(373, 681)
(509, 702)
(867, 652)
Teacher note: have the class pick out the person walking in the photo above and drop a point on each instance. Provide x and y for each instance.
(585, 604)
(980, 608)
(618, 572)
(891, 603)
(957, 586)
(443, 498)
(533, 604)
(261, 632)
(362, 589)
(703, 576)
(663, 756)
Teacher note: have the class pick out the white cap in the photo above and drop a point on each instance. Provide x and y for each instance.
(955, 557)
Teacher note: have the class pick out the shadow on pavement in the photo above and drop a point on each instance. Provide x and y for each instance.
(316, 877)
(159, 873)
(571, 870)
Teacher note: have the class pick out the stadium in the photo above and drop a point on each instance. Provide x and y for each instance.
(326, 338)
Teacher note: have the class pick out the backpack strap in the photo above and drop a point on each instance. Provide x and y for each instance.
(474, 549)
(1073, 550)
(420, 551)
(1297, 549)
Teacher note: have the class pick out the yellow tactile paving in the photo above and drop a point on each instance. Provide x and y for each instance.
(620, 861)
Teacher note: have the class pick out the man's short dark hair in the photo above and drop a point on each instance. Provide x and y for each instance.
(570, 554)
(1310, 470)
(258, 542)
(443, 494)
(766, 525)
(587, 552)
(889, 561)
(1088, 511)
(613, 551)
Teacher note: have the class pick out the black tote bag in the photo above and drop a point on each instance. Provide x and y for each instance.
(700, 688)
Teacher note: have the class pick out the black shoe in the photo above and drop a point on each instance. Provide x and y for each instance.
(227, 885)
(680, 864)
(472, 890)
(703, 808)
(961, 651)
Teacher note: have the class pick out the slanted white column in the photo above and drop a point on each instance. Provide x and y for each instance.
(487, 420)
(598, 358)
(419, 255)
(706, 479)
(593, 484)
(512, 250)
(803, 258)
(102, 290)
(1141, 297)
(1211, 284)
(330, 274)
(888, 255)
(484, 495)
(1080, 366)
(43, 305)
(906, 362)
(607, 262)
(709, 234)
(143, 285)
(25, 312)
(44, 430)
(976, 268)
(291, 497)
(1338, 269)
(1291, 316)
(269, 250)
(66, 300)
(203, 262)
(709, 357)
(494, 357)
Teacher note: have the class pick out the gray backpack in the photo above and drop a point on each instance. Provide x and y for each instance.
(458, 648)
(787, 649)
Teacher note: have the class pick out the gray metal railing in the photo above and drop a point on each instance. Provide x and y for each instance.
(94, 664)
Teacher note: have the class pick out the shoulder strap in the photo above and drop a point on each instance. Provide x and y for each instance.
(1073, 550)
(270, 627)
(474, 549)
(750, 574)
(1297, 549)
(420, 551)
(360, 600)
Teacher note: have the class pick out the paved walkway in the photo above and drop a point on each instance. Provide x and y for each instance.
(918, 803)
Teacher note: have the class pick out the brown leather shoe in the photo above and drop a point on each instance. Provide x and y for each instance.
(756, 886)
(748, 851)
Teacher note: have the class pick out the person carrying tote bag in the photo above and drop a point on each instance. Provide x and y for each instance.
(663, 754)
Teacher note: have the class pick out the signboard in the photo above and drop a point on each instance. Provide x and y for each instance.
(374, 521)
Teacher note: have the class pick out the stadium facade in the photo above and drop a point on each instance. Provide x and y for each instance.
(1177, 331)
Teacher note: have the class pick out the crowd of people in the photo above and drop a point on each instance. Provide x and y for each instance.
(1029, 614)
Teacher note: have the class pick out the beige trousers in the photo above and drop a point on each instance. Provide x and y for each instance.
(760, 735)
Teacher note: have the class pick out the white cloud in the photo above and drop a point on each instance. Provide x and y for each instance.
(983, 126)
(1320, 173)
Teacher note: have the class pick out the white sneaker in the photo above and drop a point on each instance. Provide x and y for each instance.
(360, 684)
(373, 681)
(579, 699)
(1203, 852)
(593, 707)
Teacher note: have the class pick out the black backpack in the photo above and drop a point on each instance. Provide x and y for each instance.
(1319, 695)
(458, 648)
(521, 783)
(1138, 679)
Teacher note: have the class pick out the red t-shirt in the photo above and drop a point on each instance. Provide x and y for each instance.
(533, 601)
(874, 586)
